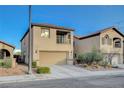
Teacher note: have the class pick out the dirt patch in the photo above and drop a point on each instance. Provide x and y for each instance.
(98, 68)
(20, 69)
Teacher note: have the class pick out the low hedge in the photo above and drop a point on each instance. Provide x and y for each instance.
(43, 70)
(1, 64)
(34, 64)
(6, 63)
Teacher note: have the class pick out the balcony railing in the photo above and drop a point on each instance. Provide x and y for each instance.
(63, 41)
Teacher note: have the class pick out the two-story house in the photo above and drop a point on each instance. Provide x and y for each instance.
(109, 41)
(51, 44)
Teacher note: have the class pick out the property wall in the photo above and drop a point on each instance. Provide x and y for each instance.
(86, 45)
(49, 44)
(109, 48)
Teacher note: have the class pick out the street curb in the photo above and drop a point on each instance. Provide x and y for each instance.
(34, 78)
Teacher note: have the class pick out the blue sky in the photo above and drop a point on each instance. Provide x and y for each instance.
(84, 19)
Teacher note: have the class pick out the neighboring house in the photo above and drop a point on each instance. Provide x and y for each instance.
(109, 41)
(6, 50)
(51, 44)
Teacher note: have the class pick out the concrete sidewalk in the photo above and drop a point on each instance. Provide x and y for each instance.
(18, 78)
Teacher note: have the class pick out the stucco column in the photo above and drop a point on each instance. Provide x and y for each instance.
(70, 54)
(4, 55)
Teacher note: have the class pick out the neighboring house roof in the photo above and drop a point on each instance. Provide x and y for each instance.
(101, 31)
(7, 44)
(77, 37)
(47, 25)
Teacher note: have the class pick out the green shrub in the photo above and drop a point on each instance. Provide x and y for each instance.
(89, 58)
(1, 64)
(6, 63)
(81, 58)
(98, 57)
(34, 64)
(104, 64)
(43, 70)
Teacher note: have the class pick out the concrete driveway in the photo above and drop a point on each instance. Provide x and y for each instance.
(68, 71)
(65, 71)
(71, 71)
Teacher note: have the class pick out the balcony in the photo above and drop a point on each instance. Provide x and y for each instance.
(63, 37)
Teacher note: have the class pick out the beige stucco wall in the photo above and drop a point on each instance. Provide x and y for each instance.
(45, 44)
(25, 48)
(75, 46)
(109, 48)
(86, 45)
(10, 49)
(49, 44)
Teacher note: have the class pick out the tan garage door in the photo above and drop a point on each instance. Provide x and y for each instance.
(115, 59)
(49, 58)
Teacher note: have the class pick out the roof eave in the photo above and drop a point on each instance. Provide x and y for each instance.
(52, 26)
(7, 44)
(89, 36)
(34, 24)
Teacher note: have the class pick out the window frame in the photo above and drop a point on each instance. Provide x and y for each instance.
(43, 29)
(106, 40)
(117, 43)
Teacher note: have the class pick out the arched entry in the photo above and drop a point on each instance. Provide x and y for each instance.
(4, 53)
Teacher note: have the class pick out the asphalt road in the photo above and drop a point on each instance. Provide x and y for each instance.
(96, 82)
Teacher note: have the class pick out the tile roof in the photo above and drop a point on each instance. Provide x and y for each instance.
(100, 31)
(51, 26)
(7, 44)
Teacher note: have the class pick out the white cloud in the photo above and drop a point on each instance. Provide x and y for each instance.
(17, 50)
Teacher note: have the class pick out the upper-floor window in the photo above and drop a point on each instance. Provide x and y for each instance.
(63, 37)
(60, 38)
(117, 42)
(45, 33)
(106, 40)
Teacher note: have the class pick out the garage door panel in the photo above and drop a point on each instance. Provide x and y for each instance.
(49, 58)
(115, 59)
